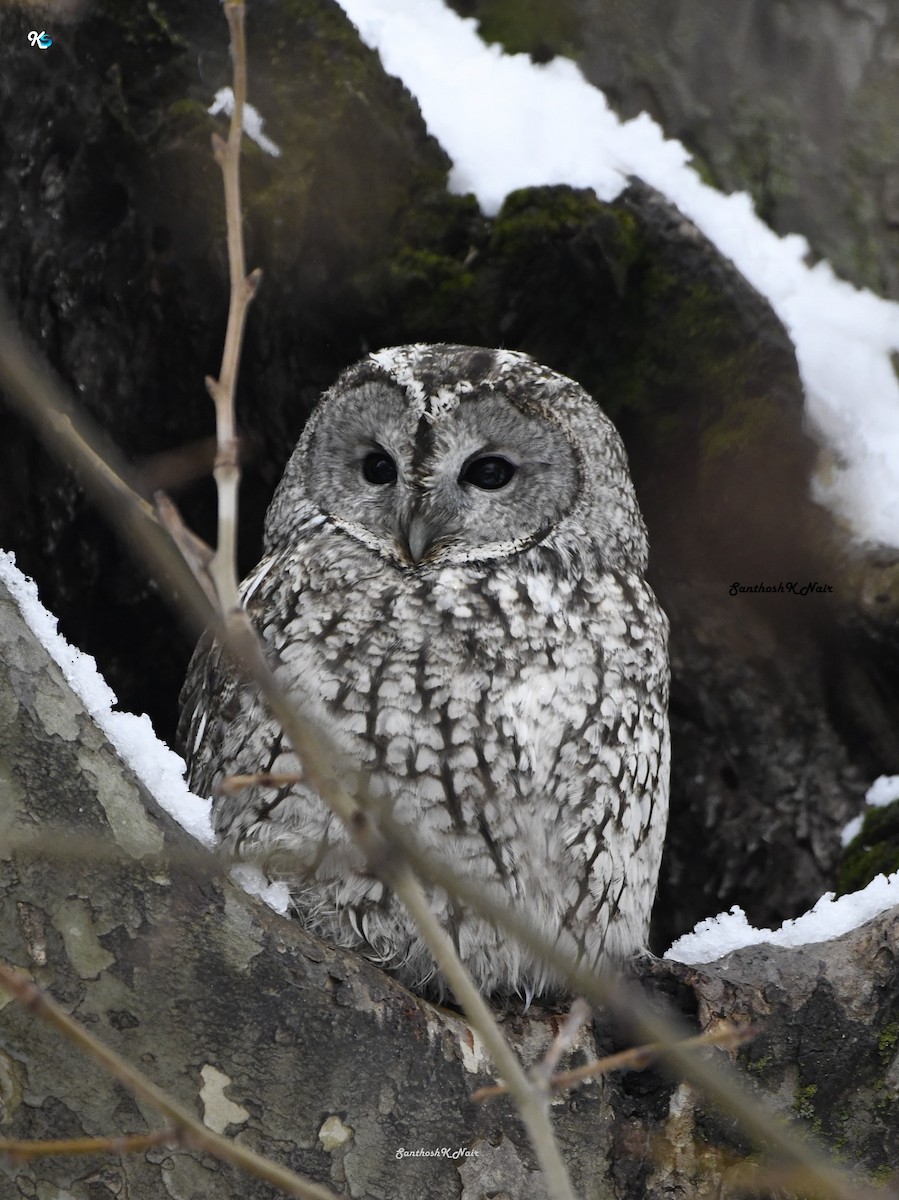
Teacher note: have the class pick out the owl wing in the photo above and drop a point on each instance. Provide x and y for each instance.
(208, 689)
(210, 699)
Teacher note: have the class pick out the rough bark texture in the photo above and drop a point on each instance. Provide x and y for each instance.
(317, 1059)
(111, 249)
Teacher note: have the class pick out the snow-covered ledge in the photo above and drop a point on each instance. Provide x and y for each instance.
(193, 979)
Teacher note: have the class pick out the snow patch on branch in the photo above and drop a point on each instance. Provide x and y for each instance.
(830, 918)
(223, 102)
(158, 767)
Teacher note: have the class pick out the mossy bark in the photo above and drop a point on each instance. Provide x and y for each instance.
(802, 114)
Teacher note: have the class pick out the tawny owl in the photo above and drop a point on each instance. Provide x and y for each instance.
(453, 590)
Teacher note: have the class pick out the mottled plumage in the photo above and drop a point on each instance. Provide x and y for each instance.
(453, 589)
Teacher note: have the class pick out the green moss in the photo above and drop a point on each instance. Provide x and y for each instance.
(874, 851)
(356, 157)
(688, 320)
(185, 111)
(804, 1107)
(532, 218)
(886, 1043)
(541, 28)
(145, 28)
(757, 1066)
(435, 286)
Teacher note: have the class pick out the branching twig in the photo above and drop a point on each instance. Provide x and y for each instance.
(530, 1099)
(236, 783)
(631, 1010)
(317, 766)
(637, 1058)
(544, 1071)
(243, 289)
(195, 552)
(190, 1131)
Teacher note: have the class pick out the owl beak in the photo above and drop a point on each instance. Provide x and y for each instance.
(418, 537)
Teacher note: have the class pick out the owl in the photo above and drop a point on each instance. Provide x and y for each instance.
(453, 592)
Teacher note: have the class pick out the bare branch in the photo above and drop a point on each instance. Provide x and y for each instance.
(243, 288)
(130, 1143)
(544, 1071)
(38, 395)
(389, 848)
(196, 553)
(637, 1058)
(530, 1099)
(630, 1009)
(236, 783)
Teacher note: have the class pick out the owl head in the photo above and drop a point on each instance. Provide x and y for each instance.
(439, 454)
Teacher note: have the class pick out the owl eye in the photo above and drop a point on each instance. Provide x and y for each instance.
(378, 468)
(490, 472)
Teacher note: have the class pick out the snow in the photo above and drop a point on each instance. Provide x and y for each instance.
(883, 791)
(158, 767)
(223, 102)
(253, 880)
(717, 936)
(508, 123)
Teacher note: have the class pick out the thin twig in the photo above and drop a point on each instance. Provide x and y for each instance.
(608, 991)
(232, 784)
(637, 1058)
(317, 767)
(383, 859)
(129, 1143)
(188, 1128)
(243, 289)
(530, 1099)
(751, 1180)
(196, 553)
(577, 1018)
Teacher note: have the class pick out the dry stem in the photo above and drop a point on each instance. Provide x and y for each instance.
(243, 289)
(544, 1071)
(317, 767)
(237, 783)
(637, 1058)
(129, 1143)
